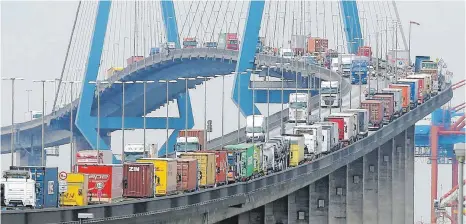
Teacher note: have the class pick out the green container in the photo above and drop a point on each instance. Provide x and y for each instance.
(246, 159)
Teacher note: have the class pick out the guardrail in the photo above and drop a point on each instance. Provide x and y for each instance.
(281, 184)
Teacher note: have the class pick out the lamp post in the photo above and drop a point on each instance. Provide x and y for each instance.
(268, 97)
(223, 103)
(12, 137)
(205, 78)
(166, 128)
(97, 92)
(186, 112)
(29, 110)
(71, 124)
(144, 108)
(282, 95)
(239, 101)
(409, 41)
(43, 115)
(257, 71)
(123, 83)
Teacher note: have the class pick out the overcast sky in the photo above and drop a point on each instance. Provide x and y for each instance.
(34, 37)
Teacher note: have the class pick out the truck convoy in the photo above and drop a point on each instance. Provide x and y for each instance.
(189, 42)
(228, 41)
(300, 107)
(255, 128)
(330, 94)
(359, 70)
(195, 170)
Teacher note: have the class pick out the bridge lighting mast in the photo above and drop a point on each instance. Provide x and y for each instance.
(12, 137)
(43, 115)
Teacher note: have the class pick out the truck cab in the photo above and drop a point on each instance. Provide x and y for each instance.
(359, 70)
(19, 188)
(187, 144)
(189, 42)
(300, 108)
(286, 53)
(346, 61)
(313, 139)
(135, 151)
(255, 128)
(330, 94)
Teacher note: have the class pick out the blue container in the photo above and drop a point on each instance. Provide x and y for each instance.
(418, 60)
(413, 93)
(46, 184)
(154, 50)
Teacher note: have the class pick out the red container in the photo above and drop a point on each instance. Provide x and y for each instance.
(388, 104)
(105, 181)
(375, 108)
(133, 59)
(187, 177)
(90, 157)
(221, 163)
(341, 126)
(138, 180)
(316, 44)
(365, 51)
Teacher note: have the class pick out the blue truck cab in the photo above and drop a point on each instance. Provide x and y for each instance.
(46, 184)
(418, 61)
(359, 69)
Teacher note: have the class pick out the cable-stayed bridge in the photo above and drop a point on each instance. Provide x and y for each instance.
(369, 181)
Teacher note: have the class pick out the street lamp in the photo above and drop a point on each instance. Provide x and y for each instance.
(186, 112)
(282, 94)
(409, 45)
(43, 115)
(12, 137)
(268, 96)
(239, 100)
(257, 71)
(29, 111)
(122, 118)
(71, 124)
(223, 96)
(144, 108)
(205, 78)
(166, 128)
(97, 90)
(460, 155)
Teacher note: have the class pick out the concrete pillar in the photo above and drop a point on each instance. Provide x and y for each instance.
(370, 187)
(337, 196)
(354, 191)
(280, 210)
(268, 213)
(318, 192)
(409, 176)
(243, 218)
(385, 183)
(398, 178)
(298, 206)
(29, 157)
(251, 217)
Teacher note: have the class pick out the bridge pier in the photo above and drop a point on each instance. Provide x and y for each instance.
(409, 176)
(337, 190)
(29, 157)
(319, 191)
(398, 175)
(385, 183)
(298, 206)
(354, 193)
(370, 187)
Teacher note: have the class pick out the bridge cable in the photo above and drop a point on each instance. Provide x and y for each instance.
(66, 56)
(201, 22)
(215, 24)
(208, 22)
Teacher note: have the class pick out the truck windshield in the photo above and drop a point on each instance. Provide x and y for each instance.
(133, 156)
(328, 90)
(190, 43)
(298, 105)
(346, 66)
(429, 66)
(233, 41)
(191, 146)
(288, 54)
(255, 129)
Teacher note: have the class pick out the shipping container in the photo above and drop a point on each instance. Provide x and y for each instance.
(133, 59)
(398, 100)
(363, 121)
(422, 96)
(418, 61)
(221, 164)
(347, 125)
(154, 51)
(138, 180)
(46, 184)
(240, 162)
(228, 41)
(206, 167)
(316, 44)
(105, 182)
(90, 157)
(164, 175)
(413, 85)
(77, 190)
(376, 114)
(334, 133)
(187, 175)
(405, 95)
(296, 149)
(112, 71)
(387, 102)
(365, 51)
(401, 60)
(427, 84)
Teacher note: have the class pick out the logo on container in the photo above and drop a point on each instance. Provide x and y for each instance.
(99, 176)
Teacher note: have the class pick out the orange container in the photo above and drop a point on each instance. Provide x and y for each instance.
(405, 93)
(221, 166)
(186, 179)
(316, 44)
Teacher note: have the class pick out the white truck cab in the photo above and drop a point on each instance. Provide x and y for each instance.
(300, 108)
(255, 128)
(186, 144)
(330, 94)
(286, 53)
(20, 189)
(312, 138)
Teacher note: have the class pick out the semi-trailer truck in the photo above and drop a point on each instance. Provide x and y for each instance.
(330, 94)
(300, 108)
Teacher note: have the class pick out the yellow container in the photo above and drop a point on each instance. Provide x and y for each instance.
(296, 150)
(112, 70)
(76, 194)
(165, 174)
(206, 167)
